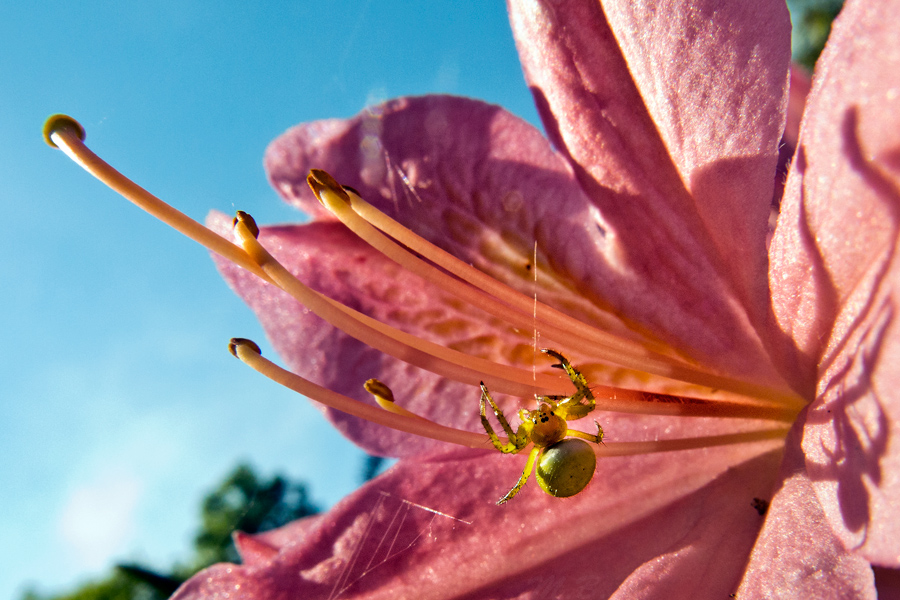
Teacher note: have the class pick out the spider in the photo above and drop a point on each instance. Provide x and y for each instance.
(564, 465)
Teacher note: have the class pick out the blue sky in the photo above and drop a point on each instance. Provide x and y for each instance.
(120, 404)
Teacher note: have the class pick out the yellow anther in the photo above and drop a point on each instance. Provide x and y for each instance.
(248, 221)
(235, 342)
(385, 398)
(58, 123)
(320, 181)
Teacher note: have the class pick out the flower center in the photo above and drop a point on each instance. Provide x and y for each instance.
(709, 393)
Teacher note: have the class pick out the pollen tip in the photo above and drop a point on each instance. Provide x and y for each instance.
(384, 398)
(315, 186)
(379, 390)
(320, 180)
(235, 342)
(248, 221)
(61, 122)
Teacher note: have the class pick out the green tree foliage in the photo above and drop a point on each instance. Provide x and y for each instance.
(372, 467)
(244, 503)
(118, 586)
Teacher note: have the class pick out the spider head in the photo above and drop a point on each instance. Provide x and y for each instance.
(547, 427)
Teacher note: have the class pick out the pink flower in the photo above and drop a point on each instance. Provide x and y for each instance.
(648, 220)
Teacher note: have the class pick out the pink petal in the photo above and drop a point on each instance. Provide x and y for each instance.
(469, 177)
(672, 113)
(797, 554)
(835, 279)
(487, 187)
(431, 530)
(263, 547)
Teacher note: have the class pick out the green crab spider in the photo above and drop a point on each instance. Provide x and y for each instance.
(565, 464)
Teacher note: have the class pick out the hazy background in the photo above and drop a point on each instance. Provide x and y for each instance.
(120, 406)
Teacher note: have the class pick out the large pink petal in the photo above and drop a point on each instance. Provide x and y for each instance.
(667, 526)
(471, 178)
(487, 187)
(835, 278)
(797, 554)
(670, 112)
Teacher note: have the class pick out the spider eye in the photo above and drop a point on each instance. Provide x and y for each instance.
(565, 468)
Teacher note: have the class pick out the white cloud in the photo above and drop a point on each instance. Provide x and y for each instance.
(97, 521)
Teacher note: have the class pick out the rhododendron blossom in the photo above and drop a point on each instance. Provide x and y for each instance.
(747, 388)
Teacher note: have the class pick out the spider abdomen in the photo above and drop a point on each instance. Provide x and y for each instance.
(565, 468)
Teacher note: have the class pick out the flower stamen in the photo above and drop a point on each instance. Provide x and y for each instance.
(520, 311)
(403, 420)
(248, 353)
(66, 134)
(472, 370)
(399, 344)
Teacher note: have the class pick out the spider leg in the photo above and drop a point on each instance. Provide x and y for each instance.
(556, 399)
(517, 440)
(529, 466)
(597, 439)
(572, 405)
